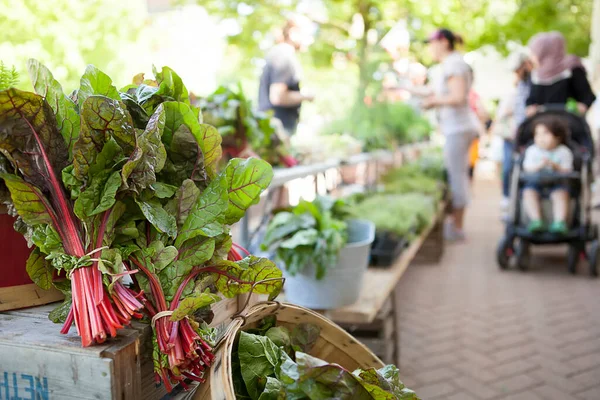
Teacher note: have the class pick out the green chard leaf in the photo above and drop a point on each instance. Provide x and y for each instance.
(206, 216)
(183, 202)
(110, 262)
(140, 172)
(160, 255)
(190, 305)
(274, 390)
(280, 335)
(210, 144)
(304, 337)
(96, 82)
(158, 217)
(284, 224)
(39, 269)
(163, 190)
(31, 205)
(112, 227)
(29, 138)
(99, 196)
(246, 180)
(64, 108)
(182, 138)
(60, 313)
(46, 239)
(223, 244)
(102, 119)
(320, 380)
(259, 358)
(171, 84)
(237, 278)
(196, 251)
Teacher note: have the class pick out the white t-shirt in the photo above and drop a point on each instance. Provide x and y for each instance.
(561, 155)
(458, 119)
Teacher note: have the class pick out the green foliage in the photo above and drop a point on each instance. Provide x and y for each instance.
(310, 233)
(235, 118)
(383, 125)
(67, 35)
(9, 77)
(266, 367)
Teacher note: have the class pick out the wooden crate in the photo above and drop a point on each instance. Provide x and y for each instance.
(36, 361)
(380, 336)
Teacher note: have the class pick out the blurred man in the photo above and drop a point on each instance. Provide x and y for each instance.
(279, 88)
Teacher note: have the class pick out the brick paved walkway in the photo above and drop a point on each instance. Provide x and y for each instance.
(470, 331)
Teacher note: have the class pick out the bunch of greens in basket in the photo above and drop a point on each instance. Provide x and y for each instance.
(273, 362)
(405, 215)
(106, 181)
(240, 126)
(310, 233)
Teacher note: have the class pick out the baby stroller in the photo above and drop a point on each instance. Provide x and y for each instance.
(582, 237)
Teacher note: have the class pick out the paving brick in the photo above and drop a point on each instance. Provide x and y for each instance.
(550, 393)
(470, 331)
(435, 390)
(478, 389)
(516, 384)
(515, 367)
(590, 394)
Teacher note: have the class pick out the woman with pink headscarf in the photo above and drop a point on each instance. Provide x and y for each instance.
(557, 76)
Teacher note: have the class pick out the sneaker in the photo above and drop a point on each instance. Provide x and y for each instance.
(452, 234)
(535, 226)
(559, 227)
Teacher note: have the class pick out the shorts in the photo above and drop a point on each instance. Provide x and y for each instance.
(546, 191)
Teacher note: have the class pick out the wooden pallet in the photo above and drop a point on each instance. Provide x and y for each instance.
(37, 362)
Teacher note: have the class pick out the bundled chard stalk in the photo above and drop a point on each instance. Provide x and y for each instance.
(181, 242)
(110, 183)
(63, 185)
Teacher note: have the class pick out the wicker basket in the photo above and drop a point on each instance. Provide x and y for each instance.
(335, 346)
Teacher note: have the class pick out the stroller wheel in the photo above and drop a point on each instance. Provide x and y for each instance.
(522, 254)
(572, 259)
(504, 252)
(593, 257)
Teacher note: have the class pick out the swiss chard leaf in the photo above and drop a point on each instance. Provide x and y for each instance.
(99, 196)
(274, 390)
(284, 224)
(246, 180)
(64, 108)
(304, 337)
(206, 216)
(140, 172)
(320, 380)
(29, 138)
(102, 119)
(171, 84)
(280, 335)
(96, 82)
(196, 251)
(237, 278)
(210, 144)
(158, 217)
(190, 305)
(31, 205)
(163, 190)
(160, 255)
(39, 269)
(259, 358)
(184, 201)
(46, 239)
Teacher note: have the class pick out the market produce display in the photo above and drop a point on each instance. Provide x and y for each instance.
(272, 362)
(320, 148)
(110, 184)
(245, 130)
(311, 232)
(383, 125)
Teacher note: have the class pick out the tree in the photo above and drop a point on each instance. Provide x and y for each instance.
(345, 26)
(66, 35)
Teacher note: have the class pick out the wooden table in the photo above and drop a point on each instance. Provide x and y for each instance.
(373, 318)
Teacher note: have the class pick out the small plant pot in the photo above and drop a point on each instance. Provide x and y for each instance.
(342, 283)
(386, 249)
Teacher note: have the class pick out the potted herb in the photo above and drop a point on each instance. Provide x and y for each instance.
(324, 254)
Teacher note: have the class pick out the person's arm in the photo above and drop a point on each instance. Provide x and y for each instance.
(533, 101)
(457, 94)
(581, 90)
(531, 162)
(281, 96)
(565, 160)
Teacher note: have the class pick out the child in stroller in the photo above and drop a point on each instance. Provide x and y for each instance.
(549, 154)
(551, 180)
